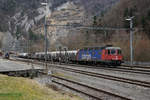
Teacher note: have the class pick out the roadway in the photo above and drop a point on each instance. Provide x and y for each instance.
(9, 65)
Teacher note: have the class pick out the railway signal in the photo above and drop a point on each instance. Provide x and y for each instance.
(131, 39)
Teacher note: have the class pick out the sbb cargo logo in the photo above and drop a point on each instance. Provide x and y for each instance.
(86, 57)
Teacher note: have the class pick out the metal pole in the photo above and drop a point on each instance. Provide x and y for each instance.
(28, 47)
(131, 41)
(45, 32)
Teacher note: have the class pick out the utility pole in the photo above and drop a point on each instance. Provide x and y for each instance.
(28, 40)
(45, 32)
(131, 39)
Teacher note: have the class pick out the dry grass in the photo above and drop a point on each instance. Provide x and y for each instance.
(12, 88)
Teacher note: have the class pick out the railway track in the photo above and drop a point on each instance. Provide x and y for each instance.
(124, 68)
(118, 68)
(93, 92)
(136, 66)
(97, 75)
(114, 78)
(109, 77)
(130, 70)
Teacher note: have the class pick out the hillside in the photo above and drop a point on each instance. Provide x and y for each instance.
(138, 8)
(22, 17)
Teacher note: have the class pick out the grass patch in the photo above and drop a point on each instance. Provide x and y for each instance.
(13, 88)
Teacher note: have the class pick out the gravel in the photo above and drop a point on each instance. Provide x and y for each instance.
(124, 89)
(128, 75)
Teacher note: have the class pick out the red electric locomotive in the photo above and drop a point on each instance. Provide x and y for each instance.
(108, 55)
(112, 55)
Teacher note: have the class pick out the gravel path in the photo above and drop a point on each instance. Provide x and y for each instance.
(7, 65)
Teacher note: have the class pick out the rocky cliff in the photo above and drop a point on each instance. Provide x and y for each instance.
(23, 18)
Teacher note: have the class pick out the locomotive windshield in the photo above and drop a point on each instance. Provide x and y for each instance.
(113, 51)
(119, 51)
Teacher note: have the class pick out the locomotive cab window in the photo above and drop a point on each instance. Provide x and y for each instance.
(113, 52)
(119, 51)
(108, 52)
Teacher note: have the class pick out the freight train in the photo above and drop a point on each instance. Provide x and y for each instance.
(107, 55)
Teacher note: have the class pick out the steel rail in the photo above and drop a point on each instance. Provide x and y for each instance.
(95, 97)
(118, 68)
(131, 70)
(114, 78)
(136, 66)
(89, 87)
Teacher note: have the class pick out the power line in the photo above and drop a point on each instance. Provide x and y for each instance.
(90, 27)
(87, 27)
